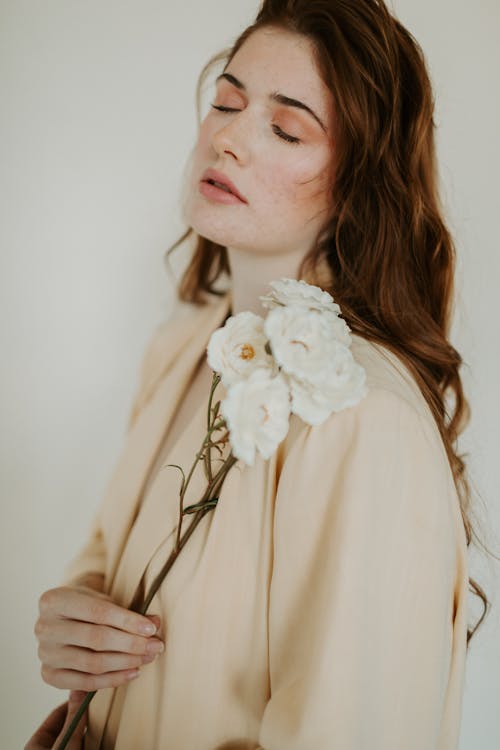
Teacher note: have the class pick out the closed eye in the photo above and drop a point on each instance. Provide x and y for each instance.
(281, 133)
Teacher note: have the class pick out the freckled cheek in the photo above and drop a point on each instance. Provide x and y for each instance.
(271, 188)
(303, 183)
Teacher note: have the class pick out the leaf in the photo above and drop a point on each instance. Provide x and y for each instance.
(199, 506)
(183, 476)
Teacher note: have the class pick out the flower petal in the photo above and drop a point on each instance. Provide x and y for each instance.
(299, 293)
(257, 414)
(238, 348)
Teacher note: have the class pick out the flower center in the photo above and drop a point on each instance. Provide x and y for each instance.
(247, 351)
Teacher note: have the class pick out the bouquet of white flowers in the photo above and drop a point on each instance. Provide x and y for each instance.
(296, 360)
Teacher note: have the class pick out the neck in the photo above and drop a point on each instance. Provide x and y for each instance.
(251, 274)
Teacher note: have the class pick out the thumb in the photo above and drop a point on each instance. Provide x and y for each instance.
(74, 702)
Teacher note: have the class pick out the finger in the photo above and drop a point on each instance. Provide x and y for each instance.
(95, 637)
(80, 605)
(70, 679)
(74, 702)
(155, 619)
(97, 662)
(46, 733)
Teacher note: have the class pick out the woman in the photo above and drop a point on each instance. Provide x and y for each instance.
(323, 603)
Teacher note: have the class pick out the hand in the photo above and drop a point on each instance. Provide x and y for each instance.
(87, 642)
(50, 733)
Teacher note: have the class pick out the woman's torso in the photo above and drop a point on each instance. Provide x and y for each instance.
(212, 683)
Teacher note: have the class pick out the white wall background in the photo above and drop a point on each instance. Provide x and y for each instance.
(97, 120)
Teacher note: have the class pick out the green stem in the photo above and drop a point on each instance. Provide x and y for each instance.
(183, 492)
(198, 457)
(208, 466)
(142, 610)
(212, 487)
(173, 556)
(76, 719)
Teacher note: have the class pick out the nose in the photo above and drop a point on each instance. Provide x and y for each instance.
(231, 138)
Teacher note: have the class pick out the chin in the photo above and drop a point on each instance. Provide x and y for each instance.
(215, 224)
(203, 223)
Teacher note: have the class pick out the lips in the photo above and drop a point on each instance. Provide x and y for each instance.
(214, 176)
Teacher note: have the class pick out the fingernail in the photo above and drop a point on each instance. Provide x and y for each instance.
(132, 675)
(154, 647)
(147, 628)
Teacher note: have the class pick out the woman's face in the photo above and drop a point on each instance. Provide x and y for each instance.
(287, 185)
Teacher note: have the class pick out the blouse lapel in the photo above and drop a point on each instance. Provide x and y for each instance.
(175, 355)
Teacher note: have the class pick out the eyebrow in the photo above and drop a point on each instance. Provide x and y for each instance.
(275, 96)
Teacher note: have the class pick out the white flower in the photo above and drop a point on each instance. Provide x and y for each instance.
(296, 361)
(256, 411)
(312, 348)
(305, 343)
(300, 294)
(347, 387)
(238, 348)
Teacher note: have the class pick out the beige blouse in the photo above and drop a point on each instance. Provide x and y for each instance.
(320, 606)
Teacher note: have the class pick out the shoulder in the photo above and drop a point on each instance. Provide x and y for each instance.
(181, 327)
(393, 416)
(167, 332)
(396, 408)
(180, 323)
(163, 346)
(383, 456)
(165, 337)
(183, 321)
(388, 378)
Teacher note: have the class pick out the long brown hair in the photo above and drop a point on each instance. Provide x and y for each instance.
(385, 253)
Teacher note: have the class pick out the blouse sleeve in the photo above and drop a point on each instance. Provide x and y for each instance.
(92, 556)
(362, 589)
